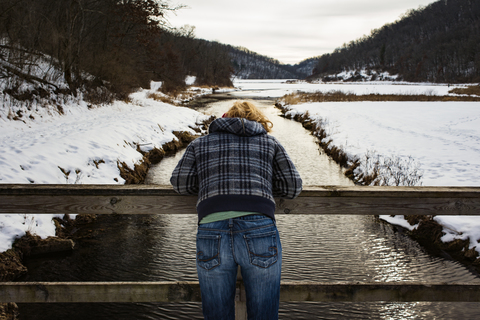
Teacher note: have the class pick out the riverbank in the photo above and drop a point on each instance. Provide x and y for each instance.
(111, 144)
(83, 144)
(423, 229)
(12, 265)
(371, 142)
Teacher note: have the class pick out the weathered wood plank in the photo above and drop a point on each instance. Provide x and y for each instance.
(309, 191)
(368, 292)
(151, 199)
(66, 292)
(92, 292)
(97, 204)
(380, 205)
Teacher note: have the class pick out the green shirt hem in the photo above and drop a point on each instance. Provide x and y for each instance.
(224, 215)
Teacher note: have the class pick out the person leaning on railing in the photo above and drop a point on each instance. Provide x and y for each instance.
(237, 170)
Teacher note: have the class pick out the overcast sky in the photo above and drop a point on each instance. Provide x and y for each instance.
(289, 30)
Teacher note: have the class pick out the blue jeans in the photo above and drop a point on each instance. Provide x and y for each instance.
(253, 243)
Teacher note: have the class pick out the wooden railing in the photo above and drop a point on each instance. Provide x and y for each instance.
(148, 199)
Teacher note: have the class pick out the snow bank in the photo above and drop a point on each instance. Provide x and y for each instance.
(88, 143)
(444, 137)
(82, 146)
(461, 227)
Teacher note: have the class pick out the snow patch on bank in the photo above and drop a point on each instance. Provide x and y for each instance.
(399, 221)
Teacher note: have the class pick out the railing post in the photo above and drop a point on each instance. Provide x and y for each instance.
(240, 298)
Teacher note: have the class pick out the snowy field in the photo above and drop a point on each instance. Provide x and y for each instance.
(443, 137)
(279, 88)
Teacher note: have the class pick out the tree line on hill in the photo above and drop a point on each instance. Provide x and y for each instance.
(251, 65)
(437, 43)
(121, 45)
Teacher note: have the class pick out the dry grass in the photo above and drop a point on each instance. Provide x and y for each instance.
(155, 155)
(162, 98)
(184, 136)
(173, 97)
(339, 96)
(136, 175)
(470, 90)
(206, 123)
(186, 95)
(98, 162)
(172, 147)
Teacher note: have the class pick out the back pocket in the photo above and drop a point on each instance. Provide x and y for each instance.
(208, 251)
(262, 248)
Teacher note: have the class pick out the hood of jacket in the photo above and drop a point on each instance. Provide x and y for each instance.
(238, 126)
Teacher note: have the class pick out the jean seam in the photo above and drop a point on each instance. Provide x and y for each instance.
(232, 244)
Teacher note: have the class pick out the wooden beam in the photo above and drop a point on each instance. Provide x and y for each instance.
(153, 199)
(368, 292)
(92, 292)
(94, 199)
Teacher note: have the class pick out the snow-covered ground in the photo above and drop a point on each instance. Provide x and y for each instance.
(442, 136)
(86, 143)
(279, 88)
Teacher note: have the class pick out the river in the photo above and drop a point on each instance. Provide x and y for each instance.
(316, 248)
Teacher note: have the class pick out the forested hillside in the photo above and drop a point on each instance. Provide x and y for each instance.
(82, 45)
(437, 43)
(307, 66)
(251, 65)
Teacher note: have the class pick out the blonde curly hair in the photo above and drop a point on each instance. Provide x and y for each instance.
(249, 111)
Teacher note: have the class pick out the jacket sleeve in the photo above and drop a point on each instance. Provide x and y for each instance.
(185, 177)
(287, 182)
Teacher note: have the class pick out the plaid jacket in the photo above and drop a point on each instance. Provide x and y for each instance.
(236, 167)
